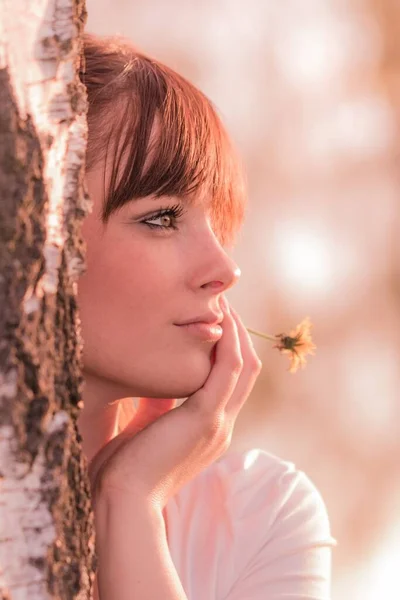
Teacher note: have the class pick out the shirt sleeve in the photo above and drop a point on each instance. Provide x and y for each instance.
(291, 553)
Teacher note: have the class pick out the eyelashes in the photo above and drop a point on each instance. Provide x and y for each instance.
(174, 211)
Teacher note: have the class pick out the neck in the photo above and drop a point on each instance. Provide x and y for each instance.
(98, 419)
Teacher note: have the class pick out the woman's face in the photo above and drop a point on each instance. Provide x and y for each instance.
(142, 281)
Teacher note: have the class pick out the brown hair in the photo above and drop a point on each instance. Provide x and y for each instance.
(128, 93)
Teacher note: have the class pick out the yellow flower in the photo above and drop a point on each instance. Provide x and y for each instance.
(297, 344)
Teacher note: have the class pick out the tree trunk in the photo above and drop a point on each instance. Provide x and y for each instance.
(47, 543)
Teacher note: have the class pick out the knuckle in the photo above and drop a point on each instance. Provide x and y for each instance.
(222, 437)
(236, 364)
(216, 423)
(226, 438)
(255, 364)
(215, 426)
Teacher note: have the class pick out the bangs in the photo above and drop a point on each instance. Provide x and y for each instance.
(169, 140)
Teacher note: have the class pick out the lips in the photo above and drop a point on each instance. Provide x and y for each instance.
(210, 332)
(208, 318)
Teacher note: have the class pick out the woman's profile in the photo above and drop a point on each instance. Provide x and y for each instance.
(177, 516)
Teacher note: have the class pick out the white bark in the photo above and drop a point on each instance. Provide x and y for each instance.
(39, 47)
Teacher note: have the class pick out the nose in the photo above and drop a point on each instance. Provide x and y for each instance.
(215, 269)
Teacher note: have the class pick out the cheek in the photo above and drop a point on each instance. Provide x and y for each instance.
(131, 287)
(129, 284)
(149, 274)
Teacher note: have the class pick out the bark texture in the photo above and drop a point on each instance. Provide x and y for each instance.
(47, 544)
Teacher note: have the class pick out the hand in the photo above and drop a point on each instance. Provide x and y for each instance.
(162, 449)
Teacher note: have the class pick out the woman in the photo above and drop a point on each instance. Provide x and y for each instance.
(176, 517)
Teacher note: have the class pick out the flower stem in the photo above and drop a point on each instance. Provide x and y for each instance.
(263, 335)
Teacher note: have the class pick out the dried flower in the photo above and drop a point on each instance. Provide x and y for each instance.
(297, 344)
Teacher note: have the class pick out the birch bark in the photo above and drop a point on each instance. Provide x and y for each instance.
(47, 547)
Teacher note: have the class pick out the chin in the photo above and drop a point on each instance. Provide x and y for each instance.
(182, 379)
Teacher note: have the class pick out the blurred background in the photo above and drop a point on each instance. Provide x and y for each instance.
(310, 91)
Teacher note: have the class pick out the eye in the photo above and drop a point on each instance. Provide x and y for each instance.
(168, 217)
(165, 219)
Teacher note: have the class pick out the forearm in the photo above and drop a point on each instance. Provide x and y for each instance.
(134, 562)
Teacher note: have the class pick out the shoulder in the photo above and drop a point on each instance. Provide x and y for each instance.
(282, 529)
(262, 494)
(247, 517)
(284, 525)
(274, 495)
(261, 498)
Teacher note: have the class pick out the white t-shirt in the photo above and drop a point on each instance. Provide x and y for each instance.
(251, 527)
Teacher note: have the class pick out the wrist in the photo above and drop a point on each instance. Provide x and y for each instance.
(136, 505)
(134, 560)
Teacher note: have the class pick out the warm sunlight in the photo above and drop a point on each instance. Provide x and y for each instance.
(304, 257)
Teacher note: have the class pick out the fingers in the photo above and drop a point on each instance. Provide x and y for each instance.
(235, 371)
(249, 373)
(224, 375)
